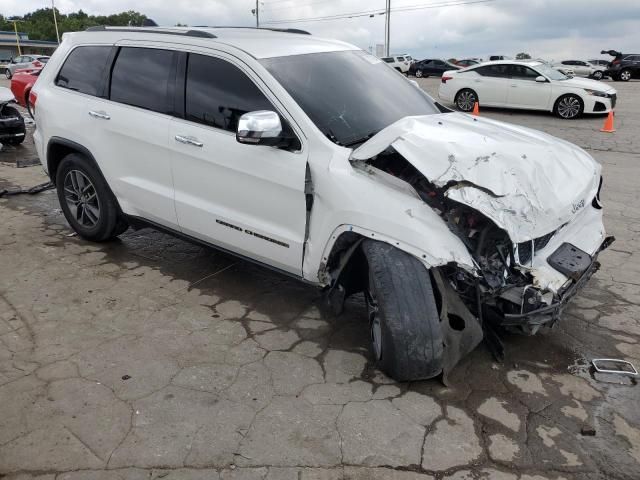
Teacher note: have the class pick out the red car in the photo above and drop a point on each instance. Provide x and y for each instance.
(21, 84)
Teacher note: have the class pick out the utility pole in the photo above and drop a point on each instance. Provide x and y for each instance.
(15, 28)
(257, 13)
(387, 28)
(55, 20)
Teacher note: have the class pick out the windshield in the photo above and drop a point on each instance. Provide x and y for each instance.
(551, 73)
(350, 96)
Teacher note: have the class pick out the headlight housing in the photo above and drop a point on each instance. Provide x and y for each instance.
(596, 93)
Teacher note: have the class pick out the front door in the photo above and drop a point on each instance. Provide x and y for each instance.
(245, 198)
(524, 91)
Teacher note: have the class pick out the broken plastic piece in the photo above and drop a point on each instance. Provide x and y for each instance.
(31, 191)
(613, 365)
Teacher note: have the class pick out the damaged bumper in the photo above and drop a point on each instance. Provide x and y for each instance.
(580, 272)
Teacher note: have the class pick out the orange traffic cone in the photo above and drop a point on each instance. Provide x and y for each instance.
(476, 109)
(608, 123)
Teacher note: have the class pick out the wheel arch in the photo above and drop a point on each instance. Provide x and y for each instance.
(58, 148)
(342, 257)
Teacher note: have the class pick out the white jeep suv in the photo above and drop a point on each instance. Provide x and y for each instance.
(315, 159)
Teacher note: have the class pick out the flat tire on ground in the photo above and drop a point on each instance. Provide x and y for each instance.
(404, 322)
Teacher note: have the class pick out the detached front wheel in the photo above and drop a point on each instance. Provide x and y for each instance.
(406, 336)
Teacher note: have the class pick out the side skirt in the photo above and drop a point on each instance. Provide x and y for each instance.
(138, 223)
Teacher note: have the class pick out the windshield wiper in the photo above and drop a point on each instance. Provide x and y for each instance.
(360, 140)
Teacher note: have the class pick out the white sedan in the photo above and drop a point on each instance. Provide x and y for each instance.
(528, 85)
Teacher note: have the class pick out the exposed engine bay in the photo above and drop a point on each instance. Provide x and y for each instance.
(504, 293)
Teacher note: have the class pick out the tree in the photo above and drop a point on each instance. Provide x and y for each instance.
(39, 23)
(523, 56)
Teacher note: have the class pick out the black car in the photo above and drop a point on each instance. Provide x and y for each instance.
(624, 66)
(424, 68)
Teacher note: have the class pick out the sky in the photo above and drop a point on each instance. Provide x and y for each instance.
(549, 29)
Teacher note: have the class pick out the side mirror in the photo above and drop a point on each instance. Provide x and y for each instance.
(414, 83)
(262, 127)
(541, 79)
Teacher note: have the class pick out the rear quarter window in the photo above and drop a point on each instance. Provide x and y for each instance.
(84, 70)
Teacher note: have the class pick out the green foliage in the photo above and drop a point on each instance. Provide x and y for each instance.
(39, 24)
(523, 56)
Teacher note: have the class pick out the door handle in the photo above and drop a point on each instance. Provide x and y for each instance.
(189, 140)
(101, 114)
(514, 85)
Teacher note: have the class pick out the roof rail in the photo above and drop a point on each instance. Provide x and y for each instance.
(289, 30)
(284, 30)
(188, 33)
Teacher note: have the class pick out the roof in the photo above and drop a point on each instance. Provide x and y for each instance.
(530, 63)
(259, 43)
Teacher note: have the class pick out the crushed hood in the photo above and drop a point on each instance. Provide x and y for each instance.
(529, 183)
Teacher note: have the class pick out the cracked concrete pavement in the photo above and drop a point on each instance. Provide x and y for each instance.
(149, 357)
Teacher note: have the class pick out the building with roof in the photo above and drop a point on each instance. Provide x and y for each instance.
(9, 45)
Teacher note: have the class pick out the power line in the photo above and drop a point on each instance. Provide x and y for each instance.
(289, 7)
(372, 13)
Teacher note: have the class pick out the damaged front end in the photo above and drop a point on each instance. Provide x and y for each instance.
(505, 290)
(532, 249)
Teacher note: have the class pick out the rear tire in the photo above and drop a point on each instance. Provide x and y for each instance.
(7, 74)
(86, 199)
(625, 75)
(568, 107)
(597, 75)
(406, 336)
(465, 100)
(418, 73)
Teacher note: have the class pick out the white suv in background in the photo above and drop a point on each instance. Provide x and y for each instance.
(276, 147)
(581, 68)
(399, 62)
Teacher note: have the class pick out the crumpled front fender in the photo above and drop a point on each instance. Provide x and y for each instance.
(383, 208)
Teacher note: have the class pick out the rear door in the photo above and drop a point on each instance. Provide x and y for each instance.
(581, 68)
(130, 131)
(245, 198)
(524, 91)
(439, 67)
(491, 84)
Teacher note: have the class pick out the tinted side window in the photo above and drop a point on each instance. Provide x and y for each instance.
(522, 72)
(84, 70)
(141, 77)
(219, 93)
(500, 71)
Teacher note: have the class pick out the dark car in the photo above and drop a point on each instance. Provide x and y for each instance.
(467, 62)
(424, 68)
(624, 66)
